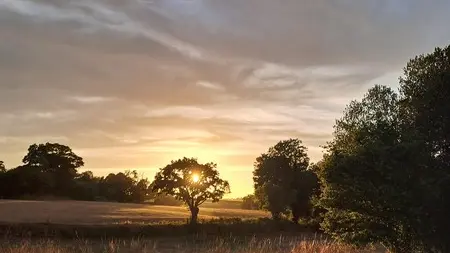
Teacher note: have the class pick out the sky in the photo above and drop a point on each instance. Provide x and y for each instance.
(135, 84)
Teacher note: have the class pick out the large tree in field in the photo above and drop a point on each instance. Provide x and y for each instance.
(282, 180)
(373, 176)
(425, 106)
(191, 182)
(57, 160)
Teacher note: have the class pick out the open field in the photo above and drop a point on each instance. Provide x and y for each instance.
(217, 245)
(94, 227)
(90, 213)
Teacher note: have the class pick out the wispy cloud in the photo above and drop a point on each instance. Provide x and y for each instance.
(134, 84)
(96, 16)
(90, 99)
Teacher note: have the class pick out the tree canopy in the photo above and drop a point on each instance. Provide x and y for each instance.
(191, 182)
(56, 160)
(282, 180)
(425, 106)
(386, 174)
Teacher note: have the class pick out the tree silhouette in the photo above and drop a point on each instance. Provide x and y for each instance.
(2, 167)
(57, 160)
(425, 107)
(374, 180)
(191, 182)
(282, 180)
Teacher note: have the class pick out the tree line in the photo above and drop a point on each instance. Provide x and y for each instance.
(384, 177)
(51, 170)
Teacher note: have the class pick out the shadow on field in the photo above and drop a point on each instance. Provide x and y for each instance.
(218, 227)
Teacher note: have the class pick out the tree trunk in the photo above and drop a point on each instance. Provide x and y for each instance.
(194, 214)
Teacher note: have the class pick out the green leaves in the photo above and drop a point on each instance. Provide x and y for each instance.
(385, 171)
(370, 175)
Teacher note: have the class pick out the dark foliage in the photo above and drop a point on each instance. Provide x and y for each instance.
(191, 182)
(283, 181)
(386, 174)
(51, 170)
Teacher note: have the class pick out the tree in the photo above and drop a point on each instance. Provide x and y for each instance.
(191, 182)
(372, 176)
(56, 159)
(282, 180)
(2, 167)
(250, 202)
(425, 106)
(119, 187)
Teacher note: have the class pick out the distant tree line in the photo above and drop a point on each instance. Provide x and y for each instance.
(51, 170)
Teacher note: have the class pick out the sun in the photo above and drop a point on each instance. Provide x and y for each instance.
(195, 178)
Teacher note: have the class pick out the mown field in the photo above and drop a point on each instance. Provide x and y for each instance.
(90, 213)
(98, 227)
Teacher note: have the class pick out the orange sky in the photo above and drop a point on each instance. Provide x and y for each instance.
(134, 84)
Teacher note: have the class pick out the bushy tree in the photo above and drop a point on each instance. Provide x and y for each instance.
(125, 187)
(373, 176)
(282, 180)
(57, 160)
(191, 182)
(425, 106)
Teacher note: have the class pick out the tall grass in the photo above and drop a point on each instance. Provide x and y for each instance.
(218, 245)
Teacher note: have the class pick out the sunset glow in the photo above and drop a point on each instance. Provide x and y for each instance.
(195, 178)
(135, 84)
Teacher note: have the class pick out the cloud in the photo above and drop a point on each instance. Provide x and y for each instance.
(209, 85)
(90, 100)
(96, 16)
(134, 84)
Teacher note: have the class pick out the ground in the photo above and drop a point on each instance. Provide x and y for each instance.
(80, 212)
(37, 218)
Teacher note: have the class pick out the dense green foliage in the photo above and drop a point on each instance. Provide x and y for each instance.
(191, 182)
(386, 175)
(283, 181)
(425, 106)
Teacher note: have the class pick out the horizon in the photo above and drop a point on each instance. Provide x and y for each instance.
(133, 85)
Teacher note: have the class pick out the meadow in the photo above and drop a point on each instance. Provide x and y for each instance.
(103, 213)
(217, 245)
(94, 227)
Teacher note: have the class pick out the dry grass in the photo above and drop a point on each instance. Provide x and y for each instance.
(90, 213)
(229, 245)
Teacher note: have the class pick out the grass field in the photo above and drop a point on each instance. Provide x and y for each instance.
(98, 227)
(90, 213)
(219, 245)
